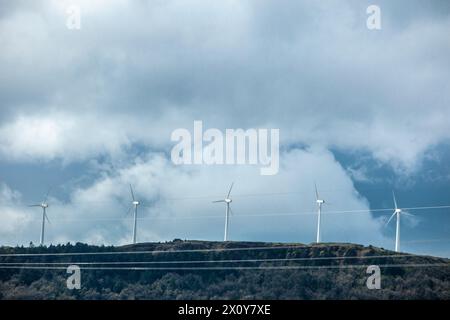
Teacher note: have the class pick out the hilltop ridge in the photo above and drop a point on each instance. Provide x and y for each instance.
(194, 269)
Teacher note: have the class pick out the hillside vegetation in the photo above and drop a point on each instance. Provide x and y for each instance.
(341, 281)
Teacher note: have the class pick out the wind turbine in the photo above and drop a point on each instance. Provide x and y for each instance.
(227, 201)
(397, 212)
(134, 205)
(44, 205)
(319, 202)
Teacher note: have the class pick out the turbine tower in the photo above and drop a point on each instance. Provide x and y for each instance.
(44, 205)
(319, 202)
(227, 201)
(397, 212)
(134, 206)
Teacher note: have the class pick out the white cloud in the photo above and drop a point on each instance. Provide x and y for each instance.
(14, 217)
(176, 203)
(59, 136)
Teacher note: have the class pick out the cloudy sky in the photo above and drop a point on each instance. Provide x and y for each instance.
(361, 113)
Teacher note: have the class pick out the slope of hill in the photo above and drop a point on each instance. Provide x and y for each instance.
(190, 270)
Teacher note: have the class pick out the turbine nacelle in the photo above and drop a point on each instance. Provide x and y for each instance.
(319, 202)
(397, 213)
(134, 202)
(228, 200)
(44, 205)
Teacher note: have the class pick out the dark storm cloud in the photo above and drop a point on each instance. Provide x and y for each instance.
(311, 68)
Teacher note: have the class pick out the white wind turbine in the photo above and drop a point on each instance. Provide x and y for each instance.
(319, 202)
(134, 206)
(227, 201)
(44, 205)
(397, 212)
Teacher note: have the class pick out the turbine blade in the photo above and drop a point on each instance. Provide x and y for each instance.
(47, 194)
(48, 220)
(218, 201)
(395, 200)
(128, 211)
(231, 211)
(34, 205)
(390, 218)
(132, 193)
(317, 193)
(406, 213)
(229, 191)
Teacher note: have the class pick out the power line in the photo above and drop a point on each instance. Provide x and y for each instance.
(188, 198)
(425, 208)
(282, 247)
(235, 268)
(427, 240)
(149, 252)
(215, 261)
(254, 215)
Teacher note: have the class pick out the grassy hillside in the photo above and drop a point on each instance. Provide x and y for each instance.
(317, 278)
